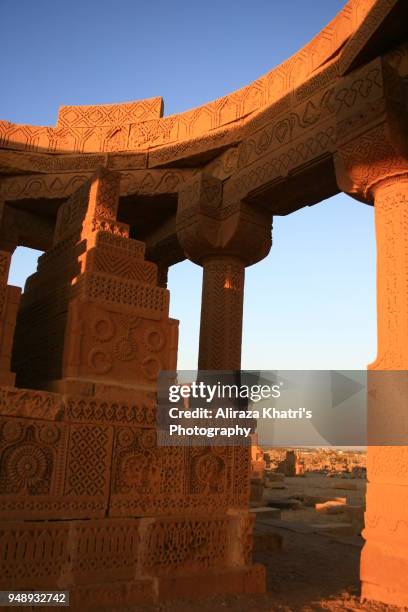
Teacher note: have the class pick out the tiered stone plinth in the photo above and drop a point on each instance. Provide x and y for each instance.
(93, 316)
(88, 501)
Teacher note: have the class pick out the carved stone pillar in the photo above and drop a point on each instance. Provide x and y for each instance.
(16, 228)
(372, 165)
(223, 238)
(384, 561)
(391, 224)
(9, 300)
(221, 314)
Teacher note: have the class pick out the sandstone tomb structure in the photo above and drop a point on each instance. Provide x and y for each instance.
(114, 195)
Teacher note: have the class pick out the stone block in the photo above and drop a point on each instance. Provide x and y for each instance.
(54, 469)
(330, 507)
(312, 500)
(67, 553)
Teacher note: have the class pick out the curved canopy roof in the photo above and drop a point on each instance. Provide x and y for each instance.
(140, 127)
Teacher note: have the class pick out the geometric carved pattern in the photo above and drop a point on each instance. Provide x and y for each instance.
(104, 553)
(109, 114)
(27, 403)
(43, 546)
(141, 411)
(108, 288)
(133, 248)
(69, 462)
(62, 465)
(120, 265)
(87, 550)
(87, 460)
(221, 315)
(71, 214)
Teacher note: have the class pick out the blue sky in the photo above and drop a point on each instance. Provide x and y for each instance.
(311, 303)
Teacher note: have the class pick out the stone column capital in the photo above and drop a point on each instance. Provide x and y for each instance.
(372, 136)
(208, 226)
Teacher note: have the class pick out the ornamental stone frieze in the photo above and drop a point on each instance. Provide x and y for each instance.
(372, 138)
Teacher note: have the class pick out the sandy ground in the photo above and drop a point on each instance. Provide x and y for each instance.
(311, 572)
